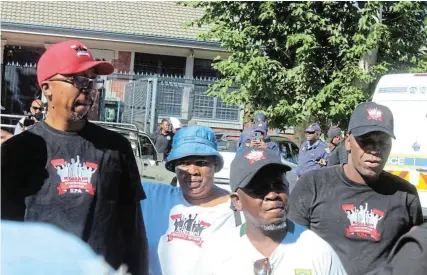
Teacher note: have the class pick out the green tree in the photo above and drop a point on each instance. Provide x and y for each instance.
(318, 60)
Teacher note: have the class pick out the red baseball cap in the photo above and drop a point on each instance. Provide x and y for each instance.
(69, 57)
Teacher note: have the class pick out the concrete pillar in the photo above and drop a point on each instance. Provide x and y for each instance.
(186, 95)
(132, 61)
(3, 43)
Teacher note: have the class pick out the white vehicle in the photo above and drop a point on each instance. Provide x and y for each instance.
(406, 96)
(227, 147)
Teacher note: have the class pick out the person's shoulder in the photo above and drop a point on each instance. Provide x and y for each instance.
(104, 131)
(155, 190)
(318, 246)
(324, 174)
(227, 237)
(323, 145)
(396, 183)
(25, 139)
(108, 136)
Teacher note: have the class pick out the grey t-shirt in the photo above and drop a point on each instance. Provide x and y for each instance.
(85, 183)
(339, 155)
(361, 222)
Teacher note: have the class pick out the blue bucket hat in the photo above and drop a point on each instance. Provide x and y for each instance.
(194, 140)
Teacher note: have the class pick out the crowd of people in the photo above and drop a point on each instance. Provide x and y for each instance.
(76, 204)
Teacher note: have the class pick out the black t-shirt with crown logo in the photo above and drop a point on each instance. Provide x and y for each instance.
(361, 222)
(86, 183)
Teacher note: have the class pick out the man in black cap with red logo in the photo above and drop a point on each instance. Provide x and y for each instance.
(358, 208)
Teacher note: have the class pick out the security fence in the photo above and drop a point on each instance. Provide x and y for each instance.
(141, 99)
(19, 87)
(147, 98)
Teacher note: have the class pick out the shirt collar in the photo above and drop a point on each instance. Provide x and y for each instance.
(314, 145)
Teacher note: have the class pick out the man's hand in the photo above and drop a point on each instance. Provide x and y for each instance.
(262, 144)
(322, 162)
(254, 143)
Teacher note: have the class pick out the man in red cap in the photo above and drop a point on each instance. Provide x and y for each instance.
(74, 174)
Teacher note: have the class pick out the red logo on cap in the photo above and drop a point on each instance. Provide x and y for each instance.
(254, 156)
(375, 114)
(80, 50)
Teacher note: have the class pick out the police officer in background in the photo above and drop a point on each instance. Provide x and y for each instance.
(260, 117)
(257, 137)
(313, 153)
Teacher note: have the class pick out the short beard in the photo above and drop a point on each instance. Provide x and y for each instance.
(76, 117)
(279, 226)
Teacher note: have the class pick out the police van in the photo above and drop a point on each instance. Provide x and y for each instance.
(406, 96)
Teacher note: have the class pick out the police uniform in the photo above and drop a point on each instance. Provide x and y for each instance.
(248, 134)
(310, 155)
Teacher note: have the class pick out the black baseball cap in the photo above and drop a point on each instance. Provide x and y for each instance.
(333, 132)
(371, 117)
(249, 162)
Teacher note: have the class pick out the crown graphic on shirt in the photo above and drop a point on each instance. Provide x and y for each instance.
(363, 216)
(375, 114)
(74, 170)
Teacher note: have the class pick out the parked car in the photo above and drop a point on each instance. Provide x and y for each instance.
(227, 147)
(150, 163)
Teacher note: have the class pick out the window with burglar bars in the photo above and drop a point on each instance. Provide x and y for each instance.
(169, 99)
(209, 107)
(159, 64)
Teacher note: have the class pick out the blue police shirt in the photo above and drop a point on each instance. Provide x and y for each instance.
(248, 134)
(270, 145)
(309, 156)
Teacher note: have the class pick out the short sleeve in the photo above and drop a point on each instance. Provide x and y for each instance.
(415, 210)
(300, 202)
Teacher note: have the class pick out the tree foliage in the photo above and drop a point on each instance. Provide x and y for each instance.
(296, 60)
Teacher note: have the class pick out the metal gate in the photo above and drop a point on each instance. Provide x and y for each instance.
(139, 104)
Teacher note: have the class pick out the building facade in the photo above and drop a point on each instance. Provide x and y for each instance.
(140, 38)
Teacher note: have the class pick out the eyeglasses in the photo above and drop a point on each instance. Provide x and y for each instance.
(262, 267)
(82, 82)
(309, 133)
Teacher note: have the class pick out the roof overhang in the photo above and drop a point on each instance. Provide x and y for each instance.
(110, 36)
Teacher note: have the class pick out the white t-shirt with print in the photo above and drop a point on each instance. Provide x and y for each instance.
(302, 252)
(177, 230)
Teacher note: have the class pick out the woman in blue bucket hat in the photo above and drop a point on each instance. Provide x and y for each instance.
(178, 220)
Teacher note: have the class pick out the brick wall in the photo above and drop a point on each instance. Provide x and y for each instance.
(123, 62)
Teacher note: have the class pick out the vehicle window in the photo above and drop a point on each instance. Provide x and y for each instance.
(289, 151)
(228, 146)
(147, 148)
(295, 149)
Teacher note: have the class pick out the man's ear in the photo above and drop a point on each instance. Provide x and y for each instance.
(347, 143)
(235, 200)
(46, 89)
